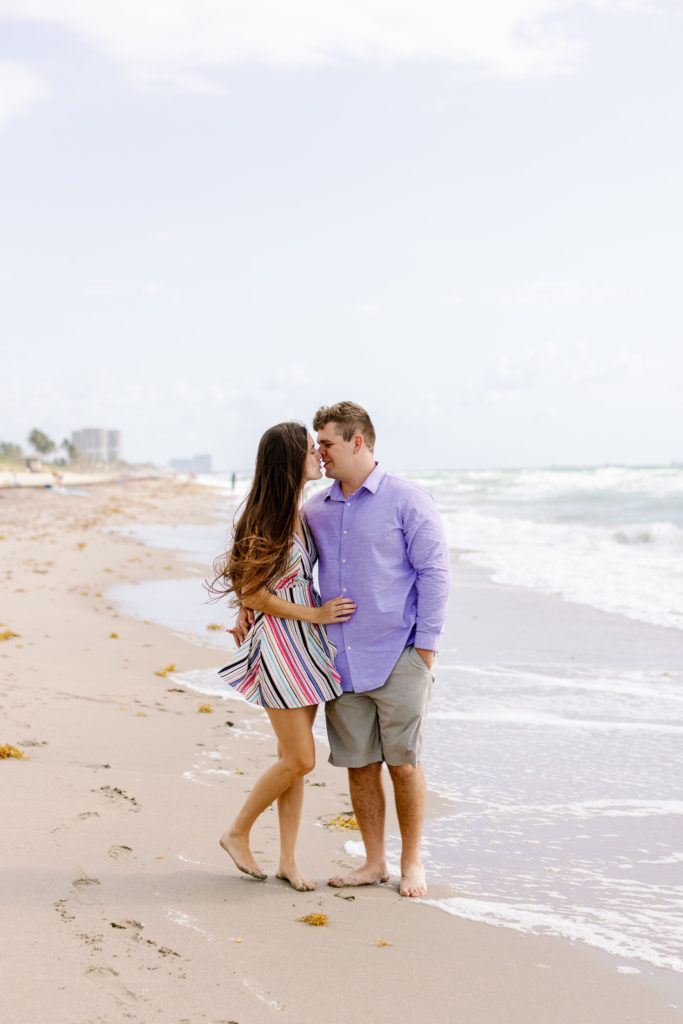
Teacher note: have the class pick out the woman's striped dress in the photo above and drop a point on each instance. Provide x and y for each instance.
(287, 663)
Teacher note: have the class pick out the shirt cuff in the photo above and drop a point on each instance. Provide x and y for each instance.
(426, 641)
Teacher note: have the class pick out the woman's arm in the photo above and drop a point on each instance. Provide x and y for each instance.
(339, 609)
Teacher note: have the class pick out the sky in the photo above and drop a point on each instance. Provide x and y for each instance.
(219, 214)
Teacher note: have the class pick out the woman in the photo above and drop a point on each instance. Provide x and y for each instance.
(286, 661)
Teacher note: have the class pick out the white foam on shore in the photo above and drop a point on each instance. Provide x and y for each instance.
(186, 921)
(545, 721)
(591, 809)
(541, 920)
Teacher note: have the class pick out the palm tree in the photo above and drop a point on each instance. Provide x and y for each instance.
(41, 442)
(70, 449)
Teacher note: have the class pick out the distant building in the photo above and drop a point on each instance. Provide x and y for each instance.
(97, 444)
(197, 464)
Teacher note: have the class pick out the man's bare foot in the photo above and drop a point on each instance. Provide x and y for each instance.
(238, 848)
(413, 882)
(366, 875)
(295, 878)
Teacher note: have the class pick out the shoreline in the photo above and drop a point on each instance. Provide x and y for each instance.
(113, 874)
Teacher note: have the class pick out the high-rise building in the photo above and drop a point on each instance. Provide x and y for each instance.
(97, 443)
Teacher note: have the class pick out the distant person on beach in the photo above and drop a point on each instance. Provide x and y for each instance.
(380, 540)
(286, 663)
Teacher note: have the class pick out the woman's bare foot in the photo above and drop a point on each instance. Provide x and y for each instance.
(238, 848)
(365, 875)
(292, 875)
(413, 881)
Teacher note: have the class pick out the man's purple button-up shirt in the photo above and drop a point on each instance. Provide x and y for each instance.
(385, 547)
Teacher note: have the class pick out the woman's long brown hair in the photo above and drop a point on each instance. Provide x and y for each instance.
(264, 531)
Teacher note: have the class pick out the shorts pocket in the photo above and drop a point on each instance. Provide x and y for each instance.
(417, 660)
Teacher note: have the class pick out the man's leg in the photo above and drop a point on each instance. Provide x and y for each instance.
(367, 798)
(402, 706)
(410, 792)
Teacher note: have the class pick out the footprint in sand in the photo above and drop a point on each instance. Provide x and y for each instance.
(115, 793)
(61, 908)
(84, 881)
(109, 978)
(116, 852)
(135, 927)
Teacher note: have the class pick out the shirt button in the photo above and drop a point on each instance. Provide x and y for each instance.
(346, 531)
(343, 559)
(343, 590)
(349, 647)
(348, 502)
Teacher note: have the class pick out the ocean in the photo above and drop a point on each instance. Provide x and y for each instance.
(561, 775)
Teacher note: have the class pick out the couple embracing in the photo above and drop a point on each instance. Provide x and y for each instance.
(367, 652)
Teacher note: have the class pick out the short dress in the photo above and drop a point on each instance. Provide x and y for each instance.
(287, 663)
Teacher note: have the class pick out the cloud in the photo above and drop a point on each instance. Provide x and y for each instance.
(547, 294)
(550, 369)
(515, 371)
(369, 310)
(114, 290)
(20, 88)
(178, 41)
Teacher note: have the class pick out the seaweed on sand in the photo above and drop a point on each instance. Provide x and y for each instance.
(343, 823)
(7, 750)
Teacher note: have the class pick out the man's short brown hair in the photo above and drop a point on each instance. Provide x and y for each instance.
(350, 418)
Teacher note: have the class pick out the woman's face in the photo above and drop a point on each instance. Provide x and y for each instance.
(312, 470)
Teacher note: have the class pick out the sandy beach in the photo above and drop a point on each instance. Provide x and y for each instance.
(119, 903)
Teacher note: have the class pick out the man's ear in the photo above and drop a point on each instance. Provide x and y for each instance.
(357, 443)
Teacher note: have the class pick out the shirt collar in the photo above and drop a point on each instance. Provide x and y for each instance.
(371, 483)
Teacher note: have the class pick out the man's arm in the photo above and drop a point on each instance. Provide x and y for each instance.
(338, 609)
(427, 552)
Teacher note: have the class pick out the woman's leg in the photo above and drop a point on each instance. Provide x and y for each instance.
(293, 728)
(289, 807)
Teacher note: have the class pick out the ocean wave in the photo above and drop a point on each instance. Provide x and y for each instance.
(540, 720)
(633, 569)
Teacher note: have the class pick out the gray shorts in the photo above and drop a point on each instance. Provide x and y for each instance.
(386, 724)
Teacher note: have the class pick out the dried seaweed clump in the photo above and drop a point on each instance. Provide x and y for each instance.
(205, 709)
(343, 823)
(214, 626)
(7, 634)
(316, 920)
(163, 672)
(7, 750)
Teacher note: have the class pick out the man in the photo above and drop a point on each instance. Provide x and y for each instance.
(380, 541)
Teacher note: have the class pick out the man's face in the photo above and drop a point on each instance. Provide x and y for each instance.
(312, 469)
(336, 453)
